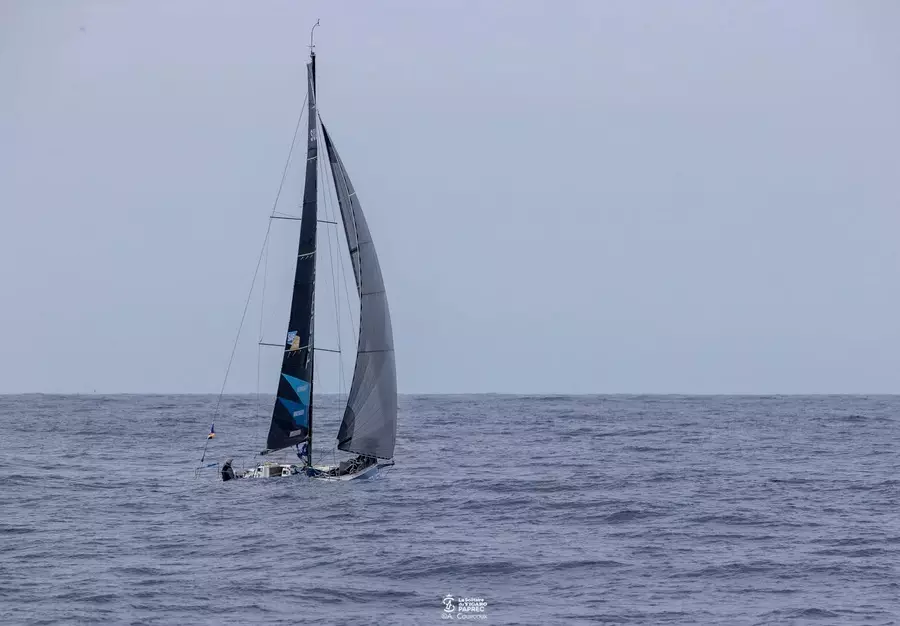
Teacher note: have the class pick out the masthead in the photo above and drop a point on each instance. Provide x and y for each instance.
(312, 44)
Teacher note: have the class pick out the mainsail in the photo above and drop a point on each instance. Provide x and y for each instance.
(369, 426)
(292, 415)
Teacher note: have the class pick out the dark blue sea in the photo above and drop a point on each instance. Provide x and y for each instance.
(551, 510)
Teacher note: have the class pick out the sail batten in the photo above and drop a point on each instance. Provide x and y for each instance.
(292, 415)
(369, 425)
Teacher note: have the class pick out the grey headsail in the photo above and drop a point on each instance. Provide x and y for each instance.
(369, 426)
(292, 415)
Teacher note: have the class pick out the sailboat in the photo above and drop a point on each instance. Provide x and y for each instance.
(368, 428)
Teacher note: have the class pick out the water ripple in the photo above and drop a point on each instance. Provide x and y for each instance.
(554, 509)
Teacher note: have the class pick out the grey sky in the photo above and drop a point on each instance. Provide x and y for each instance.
(566, 196)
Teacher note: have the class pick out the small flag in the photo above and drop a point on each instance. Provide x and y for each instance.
(301, 452)
(212, 431)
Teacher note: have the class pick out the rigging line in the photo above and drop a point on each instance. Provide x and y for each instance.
(344, 384)
(340, 257)
(359, 282)
(332, 250)
(290, 154)
(274, 212)
(241, 325)
(317, 380)
(332, 208)
(343, 271)
(262, 315)
(256, 271)
(330, 214)
(343, 267)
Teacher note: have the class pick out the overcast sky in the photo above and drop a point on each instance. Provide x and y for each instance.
(566, 196)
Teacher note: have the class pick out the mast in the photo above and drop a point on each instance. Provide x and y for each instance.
(292, 415)
(313, 145)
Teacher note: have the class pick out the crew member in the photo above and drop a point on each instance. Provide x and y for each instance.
(227, 471)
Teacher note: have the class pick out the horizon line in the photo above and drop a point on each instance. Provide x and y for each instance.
(475, 393)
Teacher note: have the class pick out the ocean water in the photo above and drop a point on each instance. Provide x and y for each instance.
(553, 510)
